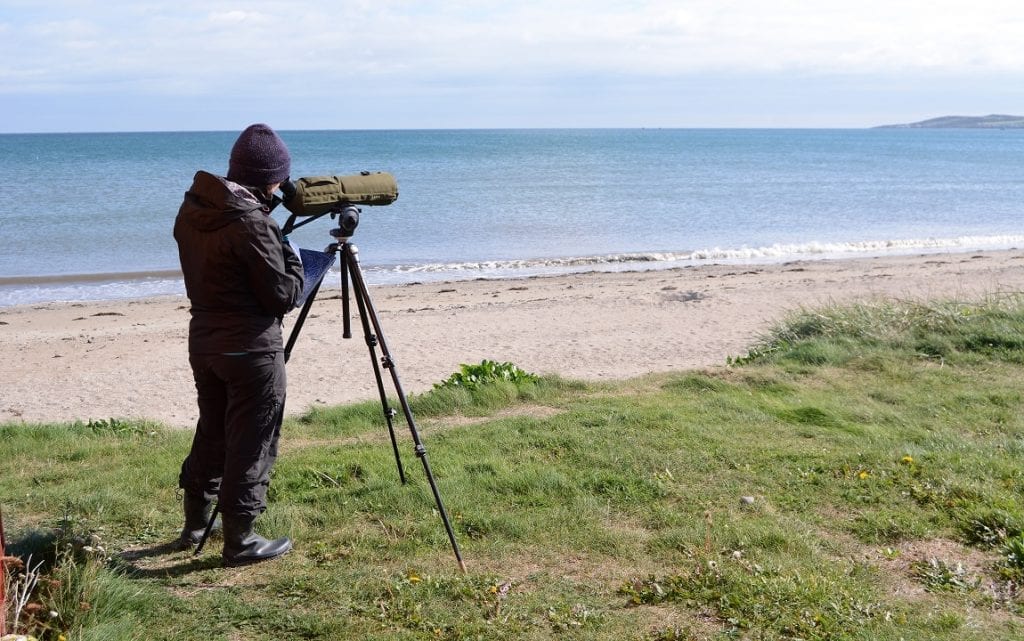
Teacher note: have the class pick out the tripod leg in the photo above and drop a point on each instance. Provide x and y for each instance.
(369, 316)
(300, 321)
(346, 318)
(209, 528)
(371, 344)
(389, 412)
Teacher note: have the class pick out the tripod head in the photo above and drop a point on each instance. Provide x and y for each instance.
(348, 220)
(347, 215)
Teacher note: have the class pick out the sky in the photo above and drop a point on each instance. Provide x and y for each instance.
(111, 65)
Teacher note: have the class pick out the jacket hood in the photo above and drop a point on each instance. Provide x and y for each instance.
(213, 202)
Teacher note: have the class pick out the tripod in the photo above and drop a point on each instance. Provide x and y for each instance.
(352, 283)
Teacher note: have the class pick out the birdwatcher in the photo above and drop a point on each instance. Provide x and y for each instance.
(241, 277)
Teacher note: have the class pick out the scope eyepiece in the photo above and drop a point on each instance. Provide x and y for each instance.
(287, 190)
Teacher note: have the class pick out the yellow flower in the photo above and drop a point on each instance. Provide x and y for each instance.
(908, 459)
(863, 475)
(413, 577)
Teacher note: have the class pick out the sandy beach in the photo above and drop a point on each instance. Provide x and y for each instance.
(128, 359)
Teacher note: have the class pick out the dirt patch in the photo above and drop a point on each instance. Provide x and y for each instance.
(425, 427)
(698, 625)
(900, 562)
(518, 411)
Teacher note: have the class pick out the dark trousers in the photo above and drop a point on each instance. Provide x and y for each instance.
(241, 406)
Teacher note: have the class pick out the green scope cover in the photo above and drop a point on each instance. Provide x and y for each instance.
(319, 194)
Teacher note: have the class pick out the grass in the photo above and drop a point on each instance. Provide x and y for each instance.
(856, 475)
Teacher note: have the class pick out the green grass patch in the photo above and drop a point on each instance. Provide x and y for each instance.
(856, 475)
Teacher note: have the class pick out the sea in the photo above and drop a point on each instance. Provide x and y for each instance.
(89, 216)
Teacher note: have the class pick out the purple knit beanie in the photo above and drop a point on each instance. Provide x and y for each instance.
(259, 158)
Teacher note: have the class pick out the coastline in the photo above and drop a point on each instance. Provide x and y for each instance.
(128, 358)
(25, 290)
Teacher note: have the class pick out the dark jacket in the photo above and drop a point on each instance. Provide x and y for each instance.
(239, 275)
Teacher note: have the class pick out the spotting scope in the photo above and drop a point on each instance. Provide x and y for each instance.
(318, 195)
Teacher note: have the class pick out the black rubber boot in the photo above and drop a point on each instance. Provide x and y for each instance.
(197, 515)
(242, 546)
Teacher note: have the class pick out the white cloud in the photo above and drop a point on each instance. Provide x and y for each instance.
(198, 44)
(235, 19)
(500, 62)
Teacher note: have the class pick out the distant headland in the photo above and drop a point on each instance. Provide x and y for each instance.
(993, 121)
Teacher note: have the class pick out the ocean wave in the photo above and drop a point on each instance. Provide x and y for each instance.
(770, 253)
(32, 290)
(88, 290)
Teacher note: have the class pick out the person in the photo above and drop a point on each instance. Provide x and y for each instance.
(241, 277)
